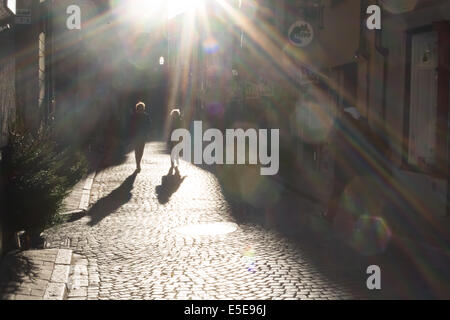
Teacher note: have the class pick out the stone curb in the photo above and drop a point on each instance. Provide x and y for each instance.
(85, 196)
(84, 202)
(57, 287)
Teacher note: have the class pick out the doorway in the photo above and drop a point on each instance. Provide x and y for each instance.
(423, 101)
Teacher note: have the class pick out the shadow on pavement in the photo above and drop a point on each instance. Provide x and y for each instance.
(170, 183)
(112, 157)
(409, 271)
(109, 204)
(14, 268)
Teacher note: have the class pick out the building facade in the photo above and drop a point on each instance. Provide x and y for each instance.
(184, 54)
(80, 82)
(7, 88)
(297, 65)
(7, 74)
(33, 40)
(409, 98)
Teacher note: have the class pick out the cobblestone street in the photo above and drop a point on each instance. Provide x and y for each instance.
(313, 166)
(134, 245)
(136, 250)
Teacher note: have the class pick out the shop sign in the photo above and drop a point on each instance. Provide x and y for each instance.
(23, 12)
(262, 88)
(301, 34)
(23, 16)
(23, 20)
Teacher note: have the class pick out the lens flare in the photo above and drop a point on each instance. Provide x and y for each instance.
(371, 235)
(249, 254)
(210, 45)
(399, 6)
(177, 7)
(215, 109)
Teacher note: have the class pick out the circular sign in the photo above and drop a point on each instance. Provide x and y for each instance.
(301, 34)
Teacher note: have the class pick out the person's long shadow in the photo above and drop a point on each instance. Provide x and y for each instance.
(170, 183)
(107, 205)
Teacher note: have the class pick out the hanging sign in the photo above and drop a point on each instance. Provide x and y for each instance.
(24, 12)
(23, 20)
(301, 34)
(23, 16)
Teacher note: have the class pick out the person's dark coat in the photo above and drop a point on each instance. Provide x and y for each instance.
(140, 126)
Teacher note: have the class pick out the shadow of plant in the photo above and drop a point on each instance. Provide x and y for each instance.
(14, 268)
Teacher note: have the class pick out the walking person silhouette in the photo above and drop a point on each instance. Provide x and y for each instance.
(175, 123)
(139, 127)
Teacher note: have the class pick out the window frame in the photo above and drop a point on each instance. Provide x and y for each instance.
(437, 170)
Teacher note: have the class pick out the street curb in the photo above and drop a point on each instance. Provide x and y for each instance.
(85, 195)
(57, 287)
(84, 201)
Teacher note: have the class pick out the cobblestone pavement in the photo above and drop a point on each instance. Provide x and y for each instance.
(135, 248)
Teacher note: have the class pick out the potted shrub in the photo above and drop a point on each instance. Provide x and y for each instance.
(37, 177)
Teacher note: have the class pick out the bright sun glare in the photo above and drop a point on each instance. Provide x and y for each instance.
(179, 6)
(145, 8)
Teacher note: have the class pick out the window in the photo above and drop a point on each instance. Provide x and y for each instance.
(427, 100)
(423, 83)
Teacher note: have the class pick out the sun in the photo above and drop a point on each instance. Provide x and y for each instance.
(177, 7)
(143, 10)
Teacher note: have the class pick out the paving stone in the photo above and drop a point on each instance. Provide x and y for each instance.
(55, 291)
(38, 293)
(132, 248)
(23, 290)
(64, 256)
(26, 297)
(79, 292)
(60, 273)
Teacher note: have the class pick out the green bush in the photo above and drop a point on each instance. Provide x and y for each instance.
(37, 177)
